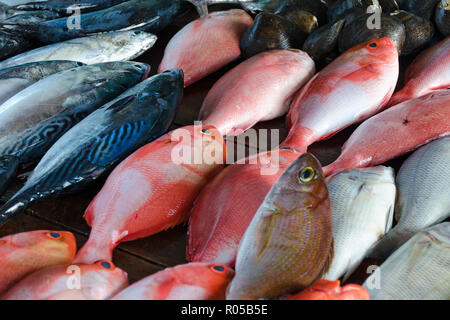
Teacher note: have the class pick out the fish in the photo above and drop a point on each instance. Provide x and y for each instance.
(259, 89)
(288, 244)
(442, 17)
(294, 9)
(104, 47)
(339, 8)
(225, 207)
(102, 140)
(323, 41)
(422, 188)
(206, 44)
(8, 168)
(11, 15)
(168, 186)
(12, 44)
(98, 281)
(64, 6)
(421, 8)
(192, 281)
(24, 253)
(418, 270)
(355, 86)
(331, 290)
(15, 79)
(395, 131)
(362, 202)
(36, 117)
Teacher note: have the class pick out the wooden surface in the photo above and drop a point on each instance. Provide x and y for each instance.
(146, 256)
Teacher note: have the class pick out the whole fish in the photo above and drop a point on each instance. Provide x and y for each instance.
(428, 72)
(101, 140)
(355, 86)
(167, 187)
(331, 290)
(192, 281)
(8, 167)
(395, 131)
(104, 47)
(225, 207)
(33, 119)
(98, 281)
(15, 79)
(258, 89)
(418, 270)
(64, 6)
(288, 244)
(27, 252)
(423, 195)
(362, 201)
(206, 44)
(12, 44)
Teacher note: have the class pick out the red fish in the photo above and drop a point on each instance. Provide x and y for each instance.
(150, 191)
(192, 281)
(429, 71)
(395, 131)
(331, 290)
(26, 252)
(356, 85)
(97, 281)
(258, 89)
(206, 44)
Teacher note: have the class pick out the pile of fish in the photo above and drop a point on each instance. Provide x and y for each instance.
(74, 109)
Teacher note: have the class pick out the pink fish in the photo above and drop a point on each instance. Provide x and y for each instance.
(192, 281)
(429, 71)
(206, 44)
(395, 131)
(356, 85)
(331, 290)
(149, 191)
(98, 281)
(259, 89)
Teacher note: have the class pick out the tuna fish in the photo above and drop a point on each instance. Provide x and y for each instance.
(63, 5)
(12, 44)
(331, 290)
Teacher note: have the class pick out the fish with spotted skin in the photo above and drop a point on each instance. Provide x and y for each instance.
(101, 140)
(26, 252)
(288, 245)
(192, 281)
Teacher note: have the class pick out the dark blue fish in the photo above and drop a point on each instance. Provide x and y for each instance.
(12, 44)
(102, 140)
(8, 167)
(62, 5)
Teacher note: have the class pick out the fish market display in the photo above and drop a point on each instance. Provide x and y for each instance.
(339, 8)
(98, 281)
(63, 5)
(362, 202)
(288, 244)
(192, 281)
(207, 44)
(25, 17)
(166, 190)
(395, 131)
(428, 72)
(323, 41)
(8, 167)
(12, 44)
(423, 195)
(331, 290)
(421, 8)
(356, 85)
(104, 47)
(102, 139)
(24, 253)
(258, 89)
(418, 270)
(442, 17)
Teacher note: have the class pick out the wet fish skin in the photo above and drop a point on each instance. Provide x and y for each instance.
(288, 243)
(61, 6)
(395, 131)
(167, 190)
(206, 44)
(192, 281)
(258, 89)
(418, 270)
(421, 8)
(8, 168)
(98, 281)
(339, 8)
(27, 252)
(423, 195)
(362, 202)
(331, 290)
(323, 41)
(12, 44)
(442, 17)
(104, 47)
(33, 119)
(26, 17)
(101, 140)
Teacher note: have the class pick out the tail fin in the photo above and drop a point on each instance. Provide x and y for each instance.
(389, 243)
(93, 251)
(18, 203)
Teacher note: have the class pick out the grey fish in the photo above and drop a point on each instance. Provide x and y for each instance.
(423, 195)
(104, 47)
(61, 6)
(12, 44)
(29, 17)
(323, 41)
(8, 167)
(32, 120)
(419, 270)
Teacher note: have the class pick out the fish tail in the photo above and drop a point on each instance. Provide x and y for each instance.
(389, 243)
(296, 141)
(93, 251)
(18, 203)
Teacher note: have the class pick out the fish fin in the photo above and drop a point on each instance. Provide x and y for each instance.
(267, 227)
(327, 265)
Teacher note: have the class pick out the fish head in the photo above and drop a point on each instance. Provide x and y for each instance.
(142, 69)
(376, 49)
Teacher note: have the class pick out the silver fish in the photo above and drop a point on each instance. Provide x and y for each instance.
(419, 270)
(103, 47)
(423, 195)
(362, 201)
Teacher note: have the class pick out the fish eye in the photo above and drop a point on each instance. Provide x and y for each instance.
(307, 174)
(54, 235)
(285, 148)
(373, 45)
(105, 264)
(218, 268)
(206, 131)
